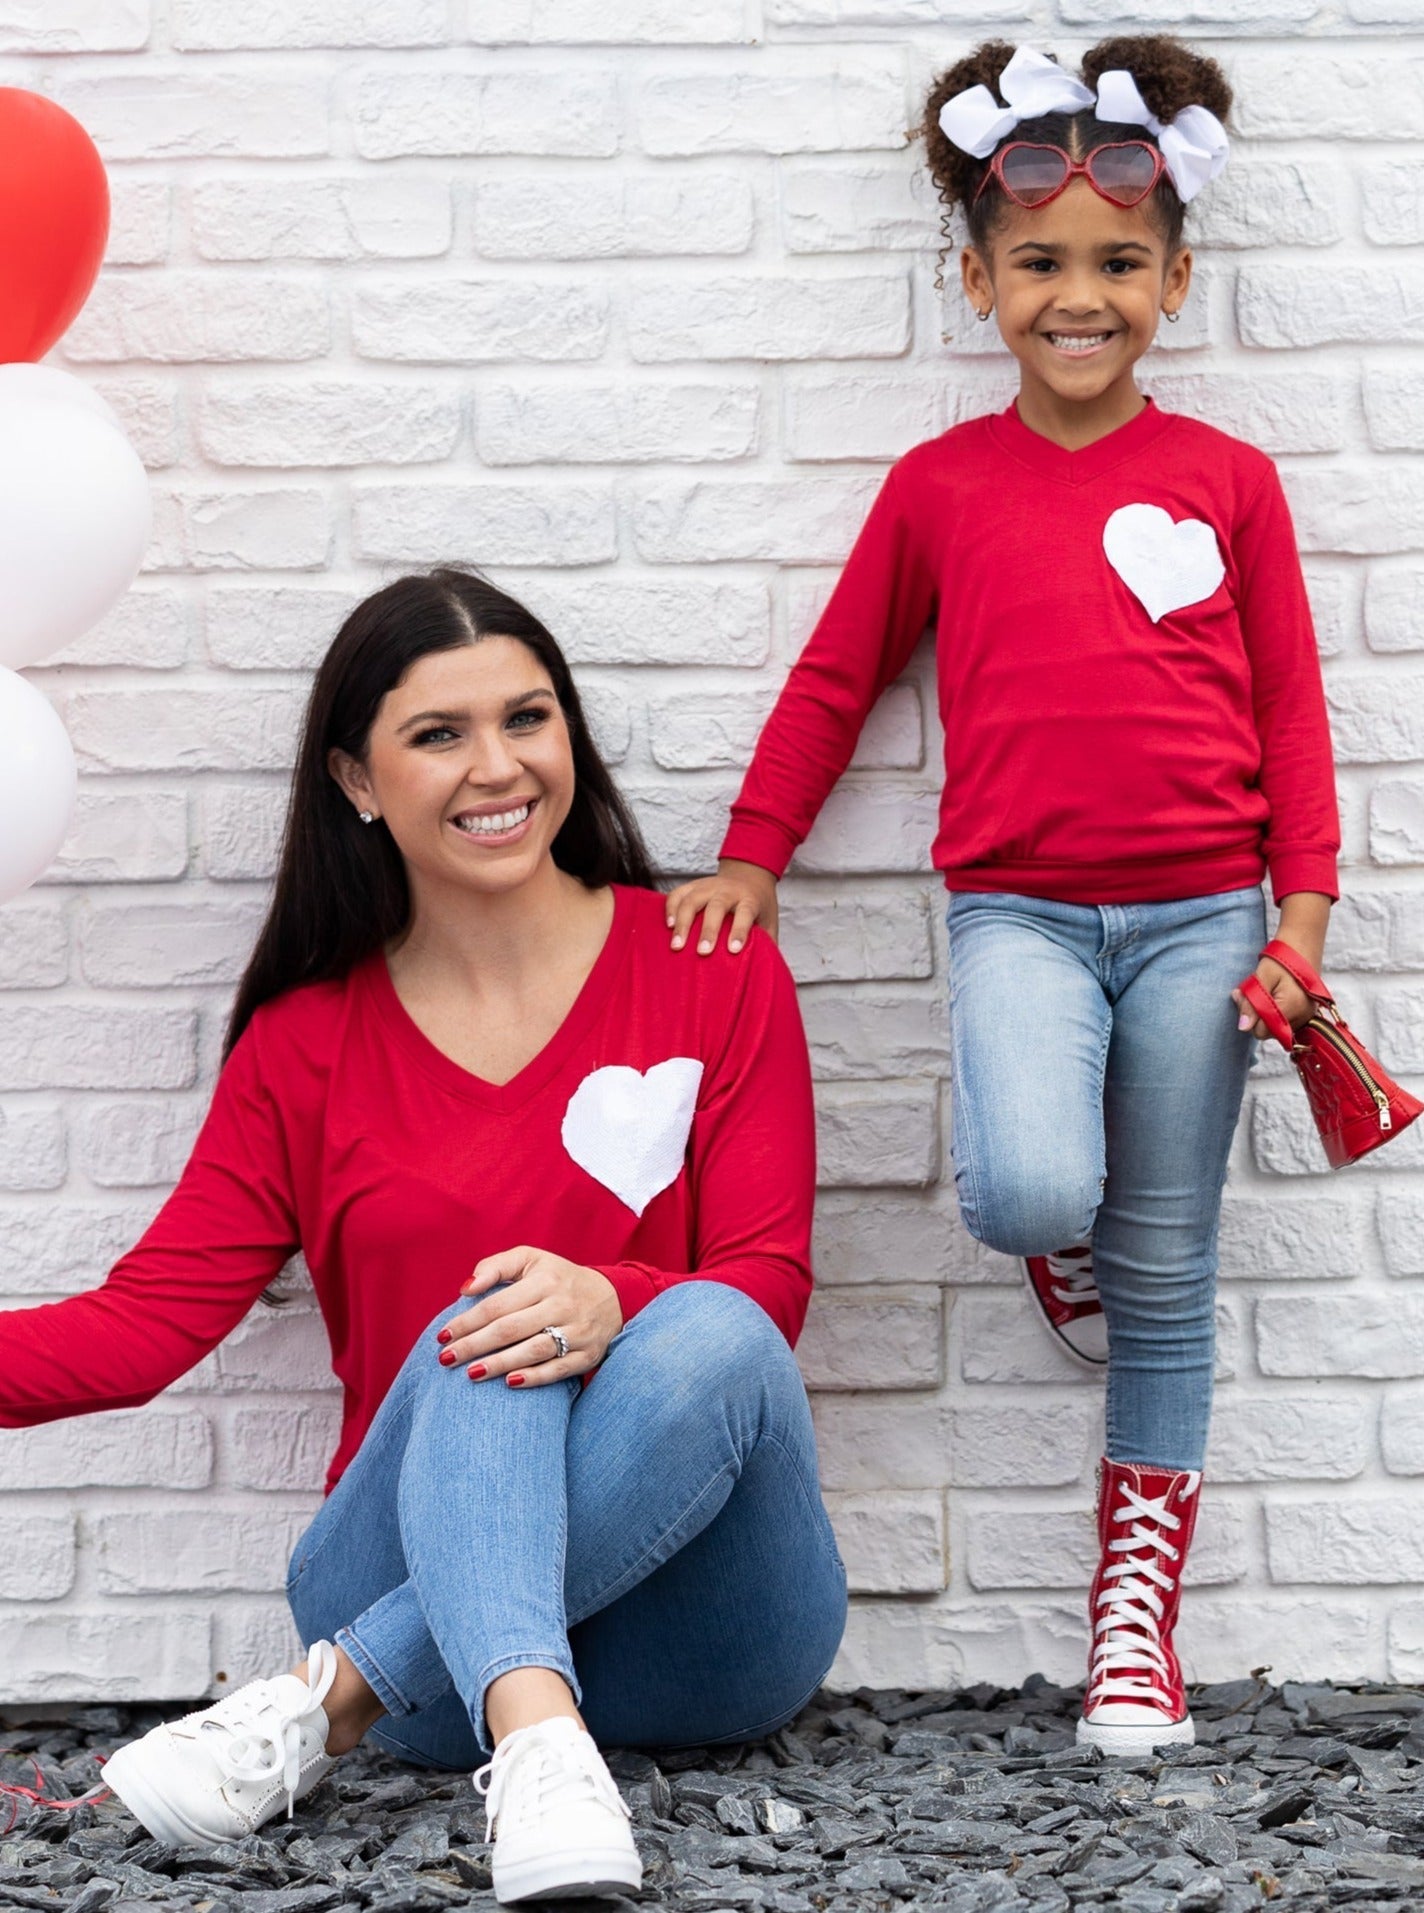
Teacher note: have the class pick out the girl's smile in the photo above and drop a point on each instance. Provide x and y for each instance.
(1078, 345)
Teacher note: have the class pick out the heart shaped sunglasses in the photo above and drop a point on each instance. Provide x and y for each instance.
(1124, 172)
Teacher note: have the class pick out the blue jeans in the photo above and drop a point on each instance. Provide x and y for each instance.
(1098, 1075)
(657, 1538)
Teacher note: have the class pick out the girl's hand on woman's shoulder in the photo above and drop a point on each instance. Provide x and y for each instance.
(504, 1334)
(744, 892)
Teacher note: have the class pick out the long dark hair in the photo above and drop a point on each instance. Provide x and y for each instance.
(341, 889)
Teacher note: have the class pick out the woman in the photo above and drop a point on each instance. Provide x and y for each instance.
(467, 1078)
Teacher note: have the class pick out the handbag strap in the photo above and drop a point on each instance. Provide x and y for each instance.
(1295, 964)
(1266, 1007)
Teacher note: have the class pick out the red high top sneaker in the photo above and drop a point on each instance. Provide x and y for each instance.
(1065, 1291)
(1135, 1699)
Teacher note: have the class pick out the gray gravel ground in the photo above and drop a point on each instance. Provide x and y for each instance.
(1307, 1796)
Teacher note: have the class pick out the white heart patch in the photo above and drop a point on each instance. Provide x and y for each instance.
(629, 1130)
(1165, 565)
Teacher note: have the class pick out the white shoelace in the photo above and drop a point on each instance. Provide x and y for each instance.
(1073, 1268)
(268, 1732)
(563, 1774)
(1128, 1660)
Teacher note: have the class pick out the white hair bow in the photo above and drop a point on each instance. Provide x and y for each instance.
(1033, 85)
(1194, 145)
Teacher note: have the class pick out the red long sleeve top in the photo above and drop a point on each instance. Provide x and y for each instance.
(665, 1131)
(1128, 674)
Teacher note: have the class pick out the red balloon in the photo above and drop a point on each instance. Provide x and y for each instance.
(54, 221)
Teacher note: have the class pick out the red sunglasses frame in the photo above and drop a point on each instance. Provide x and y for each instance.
(1076, 168)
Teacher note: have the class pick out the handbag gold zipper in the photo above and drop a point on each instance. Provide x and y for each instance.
(1342, 1048)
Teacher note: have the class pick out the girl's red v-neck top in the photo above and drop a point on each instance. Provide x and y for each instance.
(1132, 706)
(339, 1129)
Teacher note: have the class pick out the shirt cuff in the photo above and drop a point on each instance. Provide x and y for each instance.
(1293, 870)
(751, 840)
(633, 1287)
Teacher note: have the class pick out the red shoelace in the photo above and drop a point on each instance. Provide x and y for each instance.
(36, 1797)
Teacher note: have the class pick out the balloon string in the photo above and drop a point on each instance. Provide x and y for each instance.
(36, 1796)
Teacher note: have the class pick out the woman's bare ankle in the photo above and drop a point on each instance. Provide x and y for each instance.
(525, 1696)
(351, 1706)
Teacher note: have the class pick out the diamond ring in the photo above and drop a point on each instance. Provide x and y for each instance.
(559, 1339)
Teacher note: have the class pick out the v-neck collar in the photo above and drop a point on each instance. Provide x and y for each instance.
(375, 974)
(1041, 455)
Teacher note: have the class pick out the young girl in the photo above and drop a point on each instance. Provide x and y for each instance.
(1135, 733)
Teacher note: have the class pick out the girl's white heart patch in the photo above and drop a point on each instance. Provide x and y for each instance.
(629, 1130)
(1165, 565)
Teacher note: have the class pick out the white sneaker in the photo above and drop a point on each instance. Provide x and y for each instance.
(559, 1826)
(219, 1774)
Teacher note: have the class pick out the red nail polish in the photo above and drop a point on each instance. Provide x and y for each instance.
(516, 1381)
(444, 1335)
(447, 1357)
(477, 1373)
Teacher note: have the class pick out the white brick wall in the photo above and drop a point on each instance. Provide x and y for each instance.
(634, 304)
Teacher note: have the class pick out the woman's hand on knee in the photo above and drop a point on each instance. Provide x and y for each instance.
(505, 1334)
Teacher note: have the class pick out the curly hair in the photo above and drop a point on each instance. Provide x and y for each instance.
(1169, 76)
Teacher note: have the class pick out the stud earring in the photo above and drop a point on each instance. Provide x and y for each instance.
(366, 817)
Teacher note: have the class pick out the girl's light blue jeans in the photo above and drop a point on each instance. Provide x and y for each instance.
(658, 1538)
(1098, 1076)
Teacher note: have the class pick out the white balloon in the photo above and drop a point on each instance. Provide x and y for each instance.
(37, 784)
(75, 518)
(48, 385)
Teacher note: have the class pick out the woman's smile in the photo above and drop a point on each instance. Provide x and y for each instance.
(492, 824)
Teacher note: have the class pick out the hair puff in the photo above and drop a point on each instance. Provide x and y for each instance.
(1169, 75)
(956, 174)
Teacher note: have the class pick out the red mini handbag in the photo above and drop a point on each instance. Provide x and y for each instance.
(1355, 1105)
